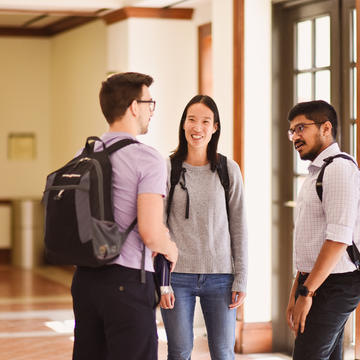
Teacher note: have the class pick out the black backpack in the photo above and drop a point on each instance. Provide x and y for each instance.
(79, 221)
(352, 250)
(177, 171)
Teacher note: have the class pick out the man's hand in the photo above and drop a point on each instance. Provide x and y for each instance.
(290, 312)
(172, 255)
(237, 298)
(167, 301)
(301, 310)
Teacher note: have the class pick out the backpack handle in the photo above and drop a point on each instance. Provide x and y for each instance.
(89, 147)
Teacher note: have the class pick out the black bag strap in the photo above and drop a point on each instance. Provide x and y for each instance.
(176, 169)
(354, 255)
(352, 250)
(119, 145)
(222, 170)
(327, 161)
(142, 271)
(111, 149)
(177, 172)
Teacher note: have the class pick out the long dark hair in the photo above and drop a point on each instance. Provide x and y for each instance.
(181, 151)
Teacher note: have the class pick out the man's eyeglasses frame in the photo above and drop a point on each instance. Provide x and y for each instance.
(151, 103)
(299, 128)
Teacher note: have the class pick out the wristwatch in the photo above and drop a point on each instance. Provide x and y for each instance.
(166, 290)
(304, 291)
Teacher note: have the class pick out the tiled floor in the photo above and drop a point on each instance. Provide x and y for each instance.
(36, 320)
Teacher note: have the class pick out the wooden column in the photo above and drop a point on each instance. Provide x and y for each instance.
(205, 60)
(238, 82)
(357, 314)
(238, 135)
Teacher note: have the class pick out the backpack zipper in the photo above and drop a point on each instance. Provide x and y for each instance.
(99, 174)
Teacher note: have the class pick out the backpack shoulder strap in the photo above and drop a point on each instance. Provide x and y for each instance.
(176, 167)
(352, 250)
(119, 145)
(327, 161)
(222, 170)
(175, 174)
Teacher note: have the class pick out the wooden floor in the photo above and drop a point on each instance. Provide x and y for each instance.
(36, 319)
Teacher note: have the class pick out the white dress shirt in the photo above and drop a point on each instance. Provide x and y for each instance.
(336, 218)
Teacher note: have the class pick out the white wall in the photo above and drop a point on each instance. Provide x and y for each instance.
(78, 65)
(222, 37)
(166, 50)
(24, 108)
(258, 156)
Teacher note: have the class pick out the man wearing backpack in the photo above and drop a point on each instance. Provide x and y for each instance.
(327, 285)
(114, 309)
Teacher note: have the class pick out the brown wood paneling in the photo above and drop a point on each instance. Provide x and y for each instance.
(68, 12)
(57, 27)
(68, 23)
(256, 338)
(147, 12)
(205, 60)
(5, 256)
(17, 31)
(357, 314)
(238, 137)
(239, 329)
(358, 77)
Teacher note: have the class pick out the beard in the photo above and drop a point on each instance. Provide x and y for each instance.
(311, 155)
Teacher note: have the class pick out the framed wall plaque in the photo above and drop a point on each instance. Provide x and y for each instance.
(21, 146)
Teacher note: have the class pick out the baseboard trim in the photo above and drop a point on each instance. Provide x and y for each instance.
(253, 337)
(5, 256)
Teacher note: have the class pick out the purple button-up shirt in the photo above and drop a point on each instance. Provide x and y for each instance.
(137, 169)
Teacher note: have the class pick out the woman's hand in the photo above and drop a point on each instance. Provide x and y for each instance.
(167, 301)
(237, 298)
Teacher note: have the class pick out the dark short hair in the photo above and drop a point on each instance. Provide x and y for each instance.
(316, 110)
(182, 148)
(118, 91)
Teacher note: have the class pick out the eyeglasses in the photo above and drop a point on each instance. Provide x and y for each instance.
(299, 128)
(151, 103)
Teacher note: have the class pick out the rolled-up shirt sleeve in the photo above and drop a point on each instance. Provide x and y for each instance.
(153, 174)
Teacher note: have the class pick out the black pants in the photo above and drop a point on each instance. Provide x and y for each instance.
(114, 314)
(335, 300)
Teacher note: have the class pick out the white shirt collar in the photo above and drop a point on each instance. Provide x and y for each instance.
(331, 150)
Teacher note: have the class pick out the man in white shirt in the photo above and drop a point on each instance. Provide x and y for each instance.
(327, 286)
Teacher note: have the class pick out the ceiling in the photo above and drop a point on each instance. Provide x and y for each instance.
(49, 17)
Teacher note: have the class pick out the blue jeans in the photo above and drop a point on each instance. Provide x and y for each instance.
(214, 291)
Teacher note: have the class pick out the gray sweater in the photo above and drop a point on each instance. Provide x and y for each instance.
(206, 242)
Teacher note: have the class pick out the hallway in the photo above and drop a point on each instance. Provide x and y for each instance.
(36, 319)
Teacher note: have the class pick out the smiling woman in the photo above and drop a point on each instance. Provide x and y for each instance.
(199, 127)
(212, 262)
